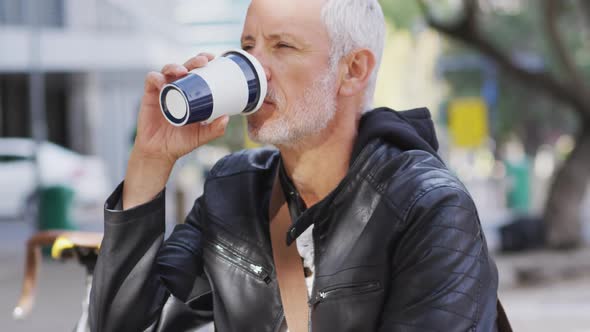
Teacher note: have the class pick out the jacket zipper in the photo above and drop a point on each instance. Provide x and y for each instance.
(240, 261)
(345, 290)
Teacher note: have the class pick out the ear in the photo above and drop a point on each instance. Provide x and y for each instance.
(358, 67)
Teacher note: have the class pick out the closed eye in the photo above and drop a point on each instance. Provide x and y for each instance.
(284, 45)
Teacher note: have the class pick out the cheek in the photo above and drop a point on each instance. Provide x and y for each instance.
(292, 75)
(290, 84)
(294, 91)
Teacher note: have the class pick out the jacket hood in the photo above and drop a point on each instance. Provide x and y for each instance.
(406, 130)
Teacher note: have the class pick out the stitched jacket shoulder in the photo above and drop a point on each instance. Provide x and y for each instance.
(439, 245)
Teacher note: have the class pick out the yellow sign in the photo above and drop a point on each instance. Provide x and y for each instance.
(468, 121)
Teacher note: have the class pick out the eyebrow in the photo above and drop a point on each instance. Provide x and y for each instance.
(273, 36)
(248, 38)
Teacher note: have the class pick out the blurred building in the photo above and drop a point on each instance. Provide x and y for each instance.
(94, 55)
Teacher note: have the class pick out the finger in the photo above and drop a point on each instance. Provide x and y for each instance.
(173, 70)
(154, 81)
(213, 130)
(209, 56)
(196, 62)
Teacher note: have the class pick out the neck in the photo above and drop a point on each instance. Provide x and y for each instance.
(319, 163)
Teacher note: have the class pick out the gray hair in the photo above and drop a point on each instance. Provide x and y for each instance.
(354, 24)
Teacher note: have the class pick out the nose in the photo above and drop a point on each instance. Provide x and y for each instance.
(258, 54)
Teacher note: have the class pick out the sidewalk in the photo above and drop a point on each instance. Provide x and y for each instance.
(59, 291)
(546, 291)
(552, 307)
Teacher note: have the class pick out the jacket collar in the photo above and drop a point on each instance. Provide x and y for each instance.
(303, 217)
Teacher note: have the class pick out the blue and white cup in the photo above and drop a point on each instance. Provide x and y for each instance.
(233, 83)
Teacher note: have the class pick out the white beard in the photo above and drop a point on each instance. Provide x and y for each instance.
(308, 116)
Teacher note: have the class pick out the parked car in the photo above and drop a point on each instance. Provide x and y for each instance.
(85, 175)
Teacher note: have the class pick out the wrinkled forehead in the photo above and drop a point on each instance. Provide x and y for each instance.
(301, 18)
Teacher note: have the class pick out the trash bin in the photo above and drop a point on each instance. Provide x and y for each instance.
(519, 192)
(55, 205)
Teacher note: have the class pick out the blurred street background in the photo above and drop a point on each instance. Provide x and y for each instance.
(506, 80)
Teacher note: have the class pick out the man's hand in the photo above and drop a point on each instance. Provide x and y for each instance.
(158, 144)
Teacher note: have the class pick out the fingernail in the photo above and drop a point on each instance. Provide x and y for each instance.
(225, 121)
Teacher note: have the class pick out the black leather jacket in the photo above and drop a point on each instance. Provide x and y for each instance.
(398, 247)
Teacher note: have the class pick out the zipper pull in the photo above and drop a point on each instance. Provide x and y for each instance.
(317, 299)
(260, 272)
(256, 268)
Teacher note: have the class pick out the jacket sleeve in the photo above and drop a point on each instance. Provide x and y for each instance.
(442, 277)
(136, 271)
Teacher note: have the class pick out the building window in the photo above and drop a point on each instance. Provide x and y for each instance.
(48, 13)
(12, 12)
(51, 13)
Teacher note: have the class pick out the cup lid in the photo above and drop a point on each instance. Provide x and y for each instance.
(176, 104)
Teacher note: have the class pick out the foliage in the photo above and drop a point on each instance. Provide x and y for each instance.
(520, 29)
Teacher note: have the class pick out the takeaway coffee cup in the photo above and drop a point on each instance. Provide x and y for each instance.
(233, 83)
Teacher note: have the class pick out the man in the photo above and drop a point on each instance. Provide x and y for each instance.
(389, 238)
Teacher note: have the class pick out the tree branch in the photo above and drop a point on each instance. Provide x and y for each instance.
(466, 22)
(585, 4)
(551, 11)
(538, 80)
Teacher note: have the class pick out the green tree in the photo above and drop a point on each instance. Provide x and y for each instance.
(532, 98)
